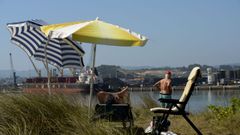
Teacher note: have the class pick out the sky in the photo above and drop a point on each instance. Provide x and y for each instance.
(179, 32)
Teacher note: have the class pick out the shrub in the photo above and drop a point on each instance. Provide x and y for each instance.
(221, 112)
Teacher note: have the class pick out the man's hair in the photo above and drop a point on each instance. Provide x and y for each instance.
(168, 72)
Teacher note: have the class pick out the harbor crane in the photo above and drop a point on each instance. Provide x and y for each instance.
(13, 71)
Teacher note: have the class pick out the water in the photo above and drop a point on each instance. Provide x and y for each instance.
(199, 101)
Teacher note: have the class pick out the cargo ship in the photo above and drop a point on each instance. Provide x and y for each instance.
(79, 84)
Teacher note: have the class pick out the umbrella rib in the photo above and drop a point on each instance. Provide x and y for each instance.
(29, 37)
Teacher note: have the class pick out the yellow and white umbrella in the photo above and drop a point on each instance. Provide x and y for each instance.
(95, 32)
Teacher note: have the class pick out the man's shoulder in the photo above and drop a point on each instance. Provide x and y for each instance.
(166, 80)
(169, 80)
(162, 80)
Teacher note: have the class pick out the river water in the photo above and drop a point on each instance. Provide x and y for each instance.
(199, 101)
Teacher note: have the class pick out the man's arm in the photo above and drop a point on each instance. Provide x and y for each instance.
(157, 83)
(170, 84)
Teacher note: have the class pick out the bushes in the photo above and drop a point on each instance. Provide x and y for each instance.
(221, 112)
(225, 120)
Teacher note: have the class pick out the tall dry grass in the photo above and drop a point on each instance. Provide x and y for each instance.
(47, 115)
(61, 115)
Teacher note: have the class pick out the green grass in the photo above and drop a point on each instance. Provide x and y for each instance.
(60, 115)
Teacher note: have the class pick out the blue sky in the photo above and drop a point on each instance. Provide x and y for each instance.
(180, 32)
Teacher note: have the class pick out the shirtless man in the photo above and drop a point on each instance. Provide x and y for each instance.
(165, 87)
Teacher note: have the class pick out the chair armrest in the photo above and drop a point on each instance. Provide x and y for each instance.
(175, 101)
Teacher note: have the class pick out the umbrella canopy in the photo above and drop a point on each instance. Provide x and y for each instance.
(96, 32)
(61, 53)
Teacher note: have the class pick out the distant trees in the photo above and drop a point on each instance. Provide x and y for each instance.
(114, 83)
(203, 67)
(110, 71)
(226, 67)
(118, 77)
(113, 71)
(183, 68)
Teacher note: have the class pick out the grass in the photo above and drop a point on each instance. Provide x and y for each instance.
(208, 121)
(60, 115)
(44, 115)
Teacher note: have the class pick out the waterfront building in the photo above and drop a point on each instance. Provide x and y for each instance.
(238, 74)
(221, 74)
(210, 76)
(230, 75)
(221, 77)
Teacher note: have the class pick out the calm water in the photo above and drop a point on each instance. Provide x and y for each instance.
(197, 103)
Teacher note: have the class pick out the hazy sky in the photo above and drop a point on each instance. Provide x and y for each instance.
(180, 32)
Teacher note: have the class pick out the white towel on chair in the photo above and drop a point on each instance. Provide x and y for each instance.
(168, 133)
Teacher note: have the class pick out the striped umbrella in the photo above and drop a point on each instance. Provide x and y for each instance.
(63, 53)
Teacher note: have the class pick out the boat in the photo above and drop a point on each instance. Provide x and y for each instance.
(66, 85)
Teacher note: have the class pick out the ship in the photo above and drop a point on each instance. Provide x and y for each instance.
(66, 85)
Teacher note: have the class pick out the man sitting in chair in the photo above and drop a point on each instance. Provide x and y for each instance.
(165, 87)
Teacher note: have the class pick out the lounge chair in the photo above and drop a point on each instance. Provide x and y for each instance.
(115, 113)
(112, 110)
(177, 107)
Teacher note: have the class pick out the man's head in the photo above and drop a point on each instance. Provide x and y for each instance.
(168, 74)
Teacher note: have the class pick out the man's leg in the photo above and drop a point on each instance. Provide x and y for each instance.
(161, 103)
(168, 97)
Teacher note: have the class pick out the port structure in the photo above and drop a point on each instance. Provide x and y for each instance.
(13, 71)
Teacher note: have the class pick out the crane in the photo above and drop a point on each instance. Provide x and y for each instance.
(13, 71)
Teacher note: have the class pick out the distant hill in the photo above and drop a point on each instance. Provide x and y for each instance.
(137, 67)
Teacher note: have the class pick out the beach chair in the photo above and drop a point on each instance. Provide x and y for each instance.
(115, 112)
(177, 106)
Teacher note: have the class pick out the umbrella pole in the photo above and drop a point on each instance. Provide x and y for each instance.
(44, 63)
(92, 81)
(60, 70)
(48, 73)
(37, 71)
